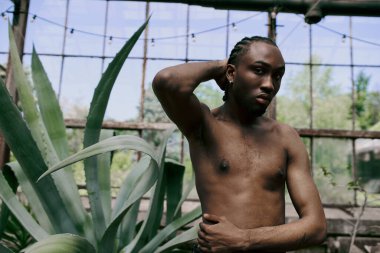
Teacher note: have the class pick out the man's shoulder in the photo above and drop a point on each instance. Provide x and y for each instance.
(282, 129)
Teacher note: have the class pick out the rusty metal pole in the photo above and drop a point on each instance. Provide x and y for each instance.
(353, 97)
(311, 97)
(19, 23)
(272, 25)
(142, 94)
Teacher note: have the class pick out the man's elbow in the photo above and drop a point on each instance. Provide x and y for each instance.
(320, 232)
(170, 82)
(161, 81)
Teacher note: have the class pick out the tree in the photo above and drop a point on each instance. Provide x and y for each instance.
(367, 104)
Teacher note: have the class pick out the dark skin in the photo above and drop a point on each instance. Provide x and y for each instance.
(242, 159)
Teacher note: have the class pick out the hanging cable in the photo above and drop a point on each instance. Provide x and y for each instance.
(193, 35)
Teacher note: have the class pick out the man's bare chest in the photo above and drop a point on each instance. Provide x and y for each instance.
(242, 154)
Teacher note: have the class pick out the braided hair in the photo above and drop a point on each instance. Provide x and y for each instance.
(240, 49)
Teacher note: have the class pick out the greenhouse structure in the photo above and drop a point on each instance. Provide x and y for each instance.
(90, 161)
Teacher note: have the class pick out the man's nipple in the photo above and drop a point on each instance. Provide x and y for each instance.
(224, 166)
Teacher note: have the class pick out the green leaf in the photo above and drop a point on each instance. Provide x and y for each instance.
(32, 197)
(4, 249)
(62, 243)
(185, 194)
(174, 172)
(52, 118)
(186, 237)
(128, 227)
(170, 229)
(110, 144)
(143, 185)
(49, 106)
(4, 211)
(153, 218)
(135, 174)
(146, 182)
(104, 170)
(18, 210)
(20, 141)
(93, 126)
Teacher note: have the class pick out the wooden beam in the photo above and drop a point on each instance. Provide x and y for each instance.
(327, 7)
(78, 123)
(335, 133)
(326, 133)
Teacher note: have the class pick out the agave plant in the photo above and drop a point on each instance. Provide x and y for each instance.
(58, 222)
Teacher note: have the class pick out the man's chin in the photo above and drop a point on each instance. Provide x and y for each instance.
(259, 111)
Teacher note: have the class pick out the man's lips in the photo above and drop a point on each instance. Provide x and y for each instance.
(263, 98)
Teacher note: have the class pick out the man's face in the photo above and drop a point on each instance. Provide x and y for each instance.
(257, 77)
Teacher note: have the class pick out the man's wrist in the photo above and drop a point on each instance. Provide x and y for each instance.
(246, 236)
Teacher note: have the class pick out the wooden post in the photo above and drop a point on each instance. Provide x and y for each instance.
(20, 20)
(272, 25)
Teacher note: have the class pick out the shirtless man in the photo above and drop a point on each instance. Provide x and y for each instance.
(241, 158)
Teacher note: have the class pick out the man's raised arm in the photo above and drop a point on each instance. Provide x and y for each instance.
(174, 87)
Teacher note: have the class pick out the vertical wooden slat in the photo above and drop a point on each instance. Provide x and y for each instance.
(311, 97)
(19, 23)
(272, 27)
(353, 98)
(142, 95)
(63, 49)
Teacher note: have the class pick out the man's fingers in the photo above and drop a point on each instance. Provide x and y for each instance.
(211, 218)
(202, 243)
(204, 249)
(202, 235)
(204, 227)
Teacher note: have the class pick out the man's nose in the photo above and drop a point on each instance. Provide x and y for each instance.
(267, 85)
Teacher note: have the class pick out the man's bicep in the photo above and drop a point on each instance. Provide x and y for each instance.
(301, 187)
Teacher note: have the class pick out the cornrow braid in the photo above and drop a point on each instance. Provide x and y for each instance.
(240, 49)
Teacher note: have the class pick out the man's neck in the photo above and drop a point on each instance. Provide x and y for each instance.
(238, 114)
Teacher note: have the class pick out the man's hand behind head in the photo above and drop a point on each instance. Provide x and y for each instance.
(221, 78)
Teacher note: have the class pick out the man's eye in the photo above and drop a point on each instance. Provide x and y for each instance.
(259, 71)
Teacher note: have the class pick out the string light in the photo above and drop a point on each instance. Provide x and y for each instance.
(110, 40)
(152, 42)
(273, 14)
(344, 38)
(126, 38)
(33, 19)
(193, 38)
(234, 27)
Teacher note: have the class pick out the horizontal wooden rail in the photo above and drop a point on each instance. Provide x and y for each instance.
(338, 133)
(304, 132)
(78, 123)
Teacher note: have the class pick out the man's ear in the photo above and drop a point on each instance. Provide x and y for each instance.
(230, 73)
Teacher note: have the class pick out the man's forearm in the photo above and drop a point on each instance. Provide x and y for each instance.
(291, 236)
(186, 77)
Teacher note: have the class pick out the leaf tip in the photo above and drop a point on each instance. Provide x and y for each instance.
(42, 176)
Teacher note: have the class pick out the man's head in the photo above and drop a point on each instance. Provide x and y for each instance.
(255, 68)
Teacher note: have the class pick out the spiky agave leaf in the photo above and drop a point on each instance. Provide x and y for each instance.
(93, 126)
(62, 243)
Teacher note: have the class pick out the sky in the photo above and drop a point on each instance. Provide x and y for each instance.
(80, 75)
